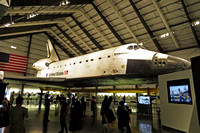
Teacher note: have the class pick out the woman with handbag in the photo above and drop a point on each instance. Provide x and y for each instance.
(107, 119)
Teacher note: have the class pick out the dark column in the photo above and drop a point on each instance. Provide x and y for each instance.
(28, 53)
(96, 87)
(196, 79)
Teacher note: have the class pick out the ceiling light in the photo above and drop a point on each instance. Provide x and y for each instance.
(8, 24)
(65, 2)
(32, 15)
(13, 47)
(195, 23)
(166, 34)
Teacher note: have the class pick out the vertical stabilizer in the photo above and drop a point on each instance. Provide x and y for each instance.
(51, 51)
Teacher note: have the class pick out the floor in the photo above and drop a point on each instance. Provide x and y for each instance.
(139, 123)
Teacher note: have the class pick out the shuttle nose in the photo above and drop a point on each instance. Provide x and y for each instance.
(178, 63)
(33, 65)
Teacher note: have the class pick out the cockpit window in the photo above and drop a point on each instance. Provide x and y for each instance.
(131, 47)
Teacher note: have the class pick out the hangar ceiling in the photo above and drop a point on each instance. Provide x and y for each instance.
(86, 26)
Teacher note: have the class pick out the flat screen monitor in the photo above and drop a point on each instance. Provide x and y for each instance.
(179, 91)
(146, 100)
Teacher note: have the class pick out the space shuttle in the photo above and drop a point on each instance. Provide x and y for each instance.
(130, 60)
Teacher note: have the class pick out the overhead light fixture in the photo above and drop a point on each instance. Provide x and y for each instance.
(9, 24)
(195, 23)
(166, 34)
(13, 47)
(32, 15)
(65, 2)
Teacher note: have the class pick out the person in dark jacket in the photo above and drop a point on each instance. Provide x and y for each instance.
(107, 118)
(123, 119)
(93, 106)
(76, 118)
(63, 113)
(83, 105)
(47, 108)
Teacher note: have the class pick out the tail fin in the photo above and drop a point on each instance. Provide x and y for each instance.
(51, 51)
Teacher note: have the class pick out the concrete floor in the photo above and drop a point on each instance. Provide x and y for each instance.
(139, 123)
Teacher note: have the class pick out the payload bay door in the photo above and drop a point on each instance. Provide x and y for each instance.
(105, 66)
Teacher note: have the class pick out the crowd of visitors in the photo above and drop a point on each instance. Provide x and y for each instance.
(13, 116)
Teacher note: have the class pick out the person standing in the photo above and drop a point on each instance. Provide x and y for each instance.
(63, 114)
(17, 115)
(112, 106)
(76, 118)
(93, 106)
(83, 105)
(107, 119)
(47, 108)
(123, 119)
(12, 97)
(4, 118)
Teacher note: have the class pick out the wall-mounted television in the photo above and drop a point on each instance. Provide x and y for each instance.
(146, 100)
(179, 91)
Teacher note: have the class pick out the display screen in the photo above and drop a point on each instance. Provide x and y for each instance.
(144, 100)
(179, 91)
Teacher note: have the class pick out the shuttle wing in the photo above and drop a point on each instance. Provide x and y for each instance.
(82, 82)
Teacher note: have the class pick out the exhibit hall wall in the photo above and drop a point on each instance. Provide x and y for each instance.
(182, 117)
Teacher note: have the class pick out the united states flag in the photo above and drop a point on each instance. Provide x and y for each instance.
(13, 63)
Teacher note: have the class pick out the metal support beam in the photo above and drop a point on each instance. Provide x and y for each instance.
(76, 35)
(46, 11)
(23, 30)
(181, 49)
(108, 24)
(59, 45)
(165, 22)
(23, 18)
(28, 53)
(190, 21)
(64, 42)
(135, 90)
(89, 20)
(123, 20)
(21, 35)
(46, 2)
(87, 33)
(71, 40)
(146, 26)
(21, 24)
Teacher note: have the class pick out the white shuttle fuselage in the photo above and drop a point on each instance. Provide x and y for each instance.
(129, 59)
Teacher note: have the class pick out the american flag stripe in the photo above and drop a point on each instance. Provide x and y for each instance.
(22, 60)
(11, 65)
(12, 70)
(15, 63)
